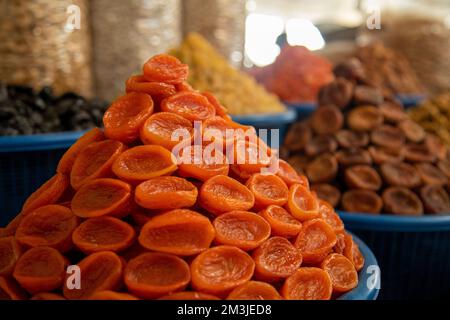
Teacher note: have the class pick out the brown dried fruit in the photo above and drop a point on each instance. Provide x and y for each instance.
(402, 201)
(413, 132)
(368, 95)
(393, 112)
(327, 192)
(327, 119)
(388, 136)
(400, 174)
(431, 174)
(298, 136)
(444, 165)
(320, 144)
(381, 155)
(362, 177)
(351, 139)
(436, 146)
(299, 163)
(351, 157)
(418, 153)
(362, 201)
(435, 199)
(338, 93)
(365, 118)
(322, 169)
(351, 69)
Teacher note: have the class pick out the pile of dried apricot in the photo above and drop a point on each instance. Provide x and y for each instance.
(361, 143)
(138, 224)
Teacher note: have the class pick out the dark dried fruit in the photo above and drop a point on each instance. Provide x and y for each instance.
(327, 119)
(320, 144)
(413, 132)
(299, 163)
(365, 118)
(362, 177)
(365, 201)
(444, 165)
(367, 95)
(381, 155)
(322, 169)
(435, 199)
(327, 192)
(351, 157)
(431, 174)
(400, 174)
(337, 93)
(402, 201)
(351, 139)
(351, 69)
(388, 136)
(418, 153)
(393, 112)
(298, 136)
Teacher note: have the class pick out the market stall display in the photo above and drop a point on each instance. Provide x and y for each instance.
(362, 153)
(209, 71)
(169, 229)
(41, 46)
(434, 116)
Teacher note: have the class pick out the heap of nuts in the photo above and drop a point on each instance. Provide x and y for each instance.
(362, 153)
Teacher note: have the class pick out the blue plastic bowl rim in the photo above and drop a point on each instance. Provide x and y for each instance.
(362, 291)
(279, 118)
(45, 141)
(410, 99)
(393, 223)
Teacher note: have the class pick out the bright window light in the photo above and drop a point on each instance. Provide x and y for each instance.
(260, 38)
(301, 32)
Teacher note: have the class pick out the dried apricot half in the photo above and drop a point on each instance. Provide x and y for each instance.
(308, 284)
(268, 189)
(190, 105)
(341, 271)
(302, 204)
(254, 290)
(282, 223)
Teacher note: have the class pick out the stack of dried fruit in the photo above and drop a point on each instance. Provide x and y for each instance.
(434, 116)
(362, 143)
(126, 212)
(209, 71)
(296, 75)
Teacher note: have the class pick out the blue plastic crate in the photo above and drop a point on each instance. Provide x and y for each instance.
(280, 121)
(413, 253)
(410, 100)
(303, 110)
(26, 162)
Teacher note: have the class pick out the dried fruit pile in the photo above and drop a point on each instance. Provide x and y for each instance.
(362, 143)
(236, 90)
(296, 75)
(139, 225)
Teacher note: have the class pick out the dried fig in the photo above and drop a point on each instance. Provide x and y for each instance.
(351, 139)
(365, 201)
(367, 95)
(431, 174)
(418, 153)
(402, 201)
(362, 177)
(400, 174)
(365, 118)
(436, 146)
(327, 192)
(413, 132)
(327, 119)
(298, 136)
(381, 155)
(393, 112)
(322, 169)
(337, 93)
(320, 144)
(388, 136)
(350, 157)
(435, 199)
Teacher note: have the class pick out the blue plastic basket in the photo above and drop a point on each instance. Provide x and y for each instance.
(303, 110)
(26, 162)
(413, 252)
(369, 283)
(410, 100)
(280, 121)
